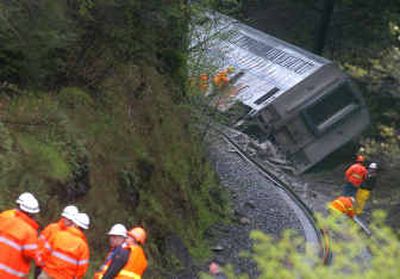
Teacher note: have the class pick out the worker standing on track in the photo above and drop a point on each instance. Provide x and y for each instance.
(369, 184)
(69, 257)
(355, 176)
(118, 256)
(342, 205)
(19, 238)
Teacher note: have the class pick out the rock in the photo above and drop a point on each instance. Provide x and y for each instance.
(217, 248)
(245, 221)
(250, 204)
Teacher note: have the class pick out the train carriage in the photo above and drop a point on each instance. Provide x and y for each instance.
(302, 101)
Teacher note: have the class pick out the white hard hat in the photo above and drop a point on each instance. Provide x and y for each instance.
(81, 220)
(69, 212)
(118, 229)
(373, 166)
(28, 203)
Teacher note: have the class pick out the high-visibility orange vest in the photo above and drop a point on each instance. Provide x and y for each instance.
(221, 78)
(8, 213)
(203, 82)
(343, 205)
(134, 268)
(356, 174)
(44, 237)
(69, 257)
(18, 244)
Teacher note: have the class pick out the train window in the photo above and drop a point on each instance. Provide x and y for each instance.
(331, 108)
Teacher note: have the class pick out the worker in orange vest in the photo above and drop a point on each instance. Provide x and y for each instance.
(50, 230)
(137, 262)
(203, 82)
(69, 257)
(355, 176)
(18, 238)
(366, 187)
(118, 256)
(221, 79)
(343, 205)
(133, 265)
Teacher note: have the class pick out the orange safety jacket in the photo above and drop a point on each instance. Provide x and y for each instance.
(221, 78)
(8, 213)
(134, 267)
(47, 234)
(18, 244)
(203, 82)
(343, 205)
(356, 174)
(69, 257)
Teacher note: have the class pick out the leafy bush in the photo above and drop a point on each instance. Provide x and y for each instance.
(355, 255)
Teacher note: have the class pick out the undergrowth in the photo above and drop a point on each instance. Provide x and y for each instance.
(145, 162)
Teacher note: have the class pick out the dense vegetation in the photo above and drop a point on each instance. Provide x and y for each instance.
(92, 113)
(354, 255)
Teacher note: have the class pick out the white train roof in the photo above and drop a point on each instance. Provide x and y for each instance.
(269, 66)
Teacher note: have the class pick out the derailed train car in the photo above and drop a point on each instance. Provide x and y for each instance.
(303, 102)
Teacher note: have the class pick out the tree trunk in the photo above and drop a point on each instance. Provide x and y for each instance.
(323, 26)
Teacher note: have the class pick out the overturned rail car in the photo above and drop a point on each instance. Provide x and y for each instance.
(302, 102)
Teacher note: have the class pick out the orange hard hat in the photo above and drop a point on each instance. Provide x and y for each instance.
(360, 159)
(203, 77)
(139, 234)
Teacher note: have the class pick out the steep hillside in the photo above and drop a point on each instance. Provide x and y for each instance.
(92, 113)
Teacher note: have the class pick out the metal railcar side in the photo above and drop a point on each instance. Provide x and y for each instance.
(304, 101)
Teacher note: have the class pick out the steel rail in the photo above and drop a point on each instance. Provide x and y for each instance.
(322, 235)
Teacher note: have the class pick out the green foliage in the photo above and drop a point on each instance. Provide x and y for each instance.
(92, 116)
(74, 97)
(6, 143)
(34, 36)
(355, 256)
(388, 145)
(45, 159)
(7, 159)
(48, 44)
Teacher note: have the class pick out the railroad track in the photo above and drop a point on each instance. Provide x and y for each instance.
(312, 232)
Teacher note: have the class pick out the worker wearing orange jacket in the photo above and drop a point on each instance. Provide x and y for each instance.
(69, 257)
(18, 238)
(8, 213)
(355, 176)
(366, 188)
(51, 229)
(203, 82)
(221, 78)
(118, 256)
(343, 205)
(136, 264)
